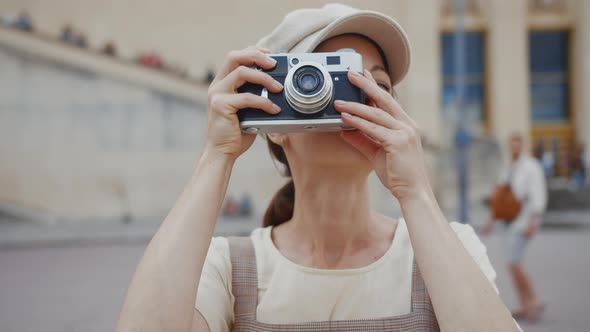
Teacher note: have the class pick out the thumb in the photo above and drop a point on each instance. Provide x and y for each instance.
(361, 142)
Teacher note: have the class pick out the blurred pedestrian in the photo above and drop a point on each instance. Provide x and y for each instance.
(545, 157)
(246, 206)
(24, 22)
(109, 49)
(8, 20)
(209, 75)
(67, 34)
(81, 41)
(548, 162)
(150, 60)
(231, 208)
(577, 167)
(539, 150)
(523, 177)
(71, 36)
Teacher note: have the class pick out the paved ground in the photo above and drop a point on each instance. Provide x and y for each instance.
(79, 286)
(558, 261)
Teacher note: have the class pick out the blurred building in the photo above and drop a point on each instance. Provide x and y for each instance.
(87, 136)
(527, 66)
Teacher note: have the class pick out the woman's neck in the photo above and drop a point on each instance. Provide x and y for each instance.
(332, 213)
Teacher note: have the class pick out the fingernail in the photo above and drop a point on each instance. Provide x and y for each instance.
(339, 102)
(277, 84)
(354, 72)
(346, 115)
(276, 107)
(271, 61)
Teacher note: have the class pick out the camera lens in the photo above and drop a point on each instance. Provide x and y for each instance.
(308, 87)
(308, 80)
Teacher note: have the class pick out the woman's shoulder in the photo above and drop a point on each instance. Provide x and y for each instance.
(469, 238)
(465, 232)
(220, 245)
(462, 229)
(476, 248)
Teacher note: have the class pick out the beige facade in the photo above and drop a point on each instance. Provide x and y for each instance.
(582, 71)
(508, 68)
(506, 25)
(198, 34)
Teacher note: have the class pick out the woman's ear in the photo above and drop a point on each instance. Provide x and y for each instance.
(277, 138)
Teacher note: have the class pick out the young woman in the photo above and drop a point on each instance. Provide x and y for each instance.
(325, 261)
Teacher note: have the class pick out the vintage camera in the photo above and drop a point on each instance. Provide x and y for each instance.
(312, 81)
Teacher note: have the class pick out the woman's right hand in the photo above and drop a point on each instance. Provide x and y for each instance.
(223, 128)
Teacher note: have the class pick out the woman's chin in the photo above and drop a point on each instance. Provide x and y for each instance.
(352, 155)
(329, 147)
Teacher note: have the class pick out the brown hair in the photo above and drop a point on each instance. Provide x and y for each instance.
(282, 203)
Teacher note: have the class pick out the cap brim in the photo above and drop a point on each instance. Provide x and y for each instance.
(378, 27)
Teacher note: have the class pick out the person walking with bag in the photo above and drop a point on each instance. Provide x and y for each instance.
(519, 202)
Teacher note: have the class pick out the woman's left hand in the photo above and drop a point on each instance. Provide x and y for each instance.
(387, 137)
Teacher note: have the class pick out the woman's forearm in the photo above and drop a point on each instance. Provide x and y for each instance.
(163, 289)
(462, 296)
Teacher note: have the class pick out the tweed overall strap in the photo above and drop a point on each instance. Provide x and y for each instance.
(244, 277)
(245, 290)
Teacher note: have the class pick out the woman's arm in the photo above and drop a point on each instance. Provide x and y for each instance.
(163, 290)
(463, 298)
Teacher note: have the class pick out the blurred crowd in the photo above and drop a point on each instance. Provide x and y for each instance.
(233, 207)
(21, 21)
(573, 162)
(72, 36)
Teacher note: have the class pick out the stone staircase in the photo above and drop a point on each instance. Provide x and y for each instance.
(565, 200)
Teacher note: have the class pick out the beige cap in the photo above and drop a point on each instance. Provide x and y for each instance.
(302, 30)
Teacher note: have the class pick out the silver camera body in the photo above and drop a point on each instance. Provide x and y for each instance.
(312, 81)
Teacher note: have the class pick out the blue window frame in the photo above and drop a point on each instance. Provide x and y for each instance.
(474, 80)
(549, 69)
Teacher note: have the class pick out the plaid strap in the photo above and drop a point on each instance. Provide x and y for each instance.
(420, 298)
(244, 277)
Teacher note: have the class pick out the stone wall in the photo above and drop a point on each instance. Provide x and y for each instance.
(76, 145)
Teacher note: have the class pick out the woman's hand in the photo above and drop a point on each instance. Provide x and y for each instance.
(223, 128)
(387, 136)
